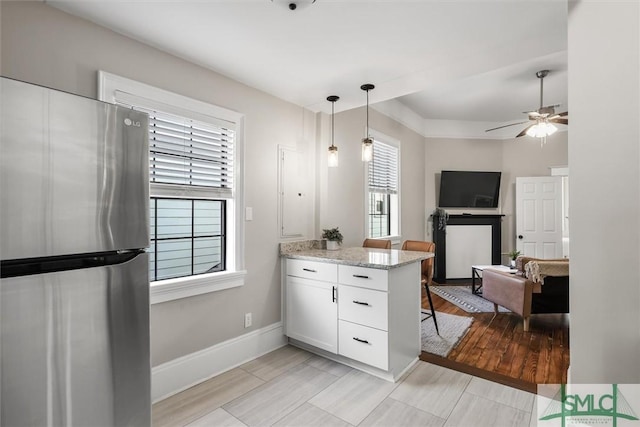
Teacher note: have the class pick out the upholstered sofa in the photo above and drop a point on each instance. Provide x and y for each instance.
(540, 287)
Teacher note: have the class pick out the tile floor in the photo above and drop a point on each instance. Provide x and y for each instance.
(291, 387)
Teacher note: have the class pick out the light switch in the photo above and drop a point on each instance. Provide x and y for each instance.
(248, 214)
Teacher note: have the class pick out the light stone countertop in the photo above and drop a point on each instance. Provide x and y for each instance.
(384, 259)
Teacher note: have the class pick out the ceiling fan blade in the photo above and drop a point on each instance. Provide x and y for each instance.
(524, 131)
(500, 127)
(566, 113)
(559, 120)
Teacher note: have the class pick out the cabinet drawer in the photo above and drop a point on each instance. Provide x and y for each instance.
(364, 344)
(363, 306)
(312, 270)
(371, 278)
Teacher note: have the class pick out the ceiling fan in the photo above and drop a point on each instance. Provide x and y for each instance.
(543, 118)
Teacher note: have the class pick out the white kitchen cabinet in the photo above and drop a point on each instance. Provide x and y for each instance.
(311, 305)
(367, 318)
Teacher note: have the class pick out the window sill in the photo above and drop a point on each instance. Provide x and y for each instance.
(183, 287)
(395, 240)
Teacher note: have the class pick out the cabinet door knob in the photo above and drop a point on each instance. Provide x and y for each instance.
(520, 236)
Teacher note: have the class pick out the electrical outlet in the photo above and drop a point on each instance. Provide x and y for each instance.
(247, 320)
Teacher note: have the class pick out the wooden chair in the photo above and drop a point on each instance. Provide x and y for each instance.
(376, 243)
(427, 271)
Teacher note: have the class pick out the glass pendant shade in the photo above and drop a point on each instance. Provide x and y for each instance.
(332, 160)
(541, 130)
(367, 149)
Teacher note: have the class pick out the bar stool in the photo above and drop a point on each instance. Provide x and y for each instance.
(427, 271)
(376, 243)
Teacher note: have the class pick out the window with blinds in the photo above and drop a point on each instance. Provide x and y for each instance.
(196, 190)
(188, 235)
(383, 169)
(183, 151)
(382, 190)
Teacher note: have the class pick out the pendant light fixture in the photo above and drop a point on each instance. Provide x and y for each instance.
(332, 160)
(367, 143)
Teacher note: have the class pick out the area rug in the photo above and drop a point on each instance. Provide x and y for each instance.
(452, 329)
(462, 297)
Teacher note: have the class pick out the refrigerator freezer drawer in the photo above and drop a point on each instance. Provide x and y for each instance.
(74, 174)
(75, 347)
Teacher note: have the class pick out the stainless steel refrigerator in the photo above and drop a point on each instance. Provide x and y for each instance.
(74, 291)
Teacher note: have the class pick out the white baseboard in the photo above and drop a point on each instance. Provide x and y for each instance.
(179, 374)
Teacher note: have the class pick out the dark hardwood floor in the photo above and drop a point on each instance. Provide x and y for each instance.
(499, 350)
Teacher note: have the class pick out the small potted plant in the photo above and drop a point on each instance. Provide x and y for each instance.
(334, 238)
(512, 257)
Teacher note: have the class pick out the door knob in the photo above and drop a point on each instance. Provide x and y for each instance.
(520, 236)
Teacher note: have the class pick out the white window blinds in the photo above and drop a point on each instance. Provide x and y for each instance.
(188, 152)
(383, 169)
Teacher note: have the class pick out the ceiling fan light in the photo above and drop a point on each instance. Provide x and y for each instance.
(551, 129)
(541, 130)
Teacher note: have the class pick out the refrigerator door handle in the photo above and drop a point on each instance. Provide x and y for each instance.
(17, 268)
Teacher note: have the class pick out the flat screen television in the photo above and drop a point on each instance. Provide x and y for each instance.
(467, 189)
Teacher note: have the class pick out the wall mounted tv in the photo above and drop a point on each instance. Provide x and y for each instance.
(467, 189)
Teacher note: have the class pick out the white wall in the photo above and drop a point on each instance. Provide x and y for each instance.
(458, 154)
(604, 181)
(341, 189)
(525, 157)
(514, 157)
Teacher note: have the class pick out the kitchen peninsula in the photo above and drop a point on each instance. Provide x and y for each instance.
(357, 306)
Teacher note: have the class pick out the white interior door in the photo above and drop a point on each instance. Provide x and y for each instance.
(539, 216)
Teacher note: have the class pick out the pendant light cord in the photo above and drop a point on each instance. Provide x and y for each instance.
(367, 87)
(367, 113)
(541, 90)
(333, 103)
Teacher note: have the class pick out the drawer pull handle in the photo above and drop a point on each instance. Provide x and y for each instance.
(309, 270)
(359, 276)
(361, 340)
(361, 303)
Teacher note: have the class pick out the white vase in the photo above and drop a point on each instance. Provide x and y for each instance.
(513, 263)
(332, 245)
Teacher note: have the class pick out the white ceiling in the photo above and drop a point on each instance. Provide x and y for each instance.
(462, 60)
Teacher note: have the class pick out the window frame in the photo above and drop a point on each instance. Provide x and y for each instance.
(169, 102)
(394, 207)
(156, 241)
